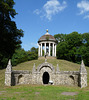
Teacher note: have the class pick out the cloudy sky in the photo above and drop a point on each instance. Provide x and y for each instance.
(58, 16)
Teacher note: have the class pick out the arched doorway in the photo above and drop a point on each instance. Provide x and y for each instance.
(20, 79)
(46, 78)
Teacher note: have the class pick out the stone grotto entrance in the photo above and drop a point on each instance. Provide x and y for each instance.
(46, 78)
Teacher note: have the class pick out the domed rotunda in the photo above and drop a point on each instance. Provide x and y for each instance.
(47, 45)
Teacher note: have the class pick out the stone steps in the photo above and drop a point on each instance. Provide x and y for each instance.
(47, 57)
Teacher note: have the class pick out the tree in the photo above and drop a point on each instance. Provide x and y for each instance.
(62, 50)
(33, 49)
(74, 41)
(33, 53)
(9, 34)
(60, 37)
(85, 38)
(84, 49)
(73, 47)
(68, 45)
(19, 56)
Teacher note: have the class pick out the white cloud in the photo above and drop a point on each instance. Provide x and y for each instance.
(87, 16)
(37, 11)
(84, 7)
(51, 8)
(34, 44)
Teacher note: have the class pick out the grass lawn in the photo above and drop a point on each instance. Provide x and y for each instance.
(43, 92)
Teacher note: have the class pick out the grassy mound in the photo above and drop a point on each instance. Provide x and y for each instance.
(63, 64)
(43, 92)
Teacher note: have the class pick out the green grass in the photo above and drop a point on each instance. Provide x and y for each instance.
(42, 92)
(63, 64)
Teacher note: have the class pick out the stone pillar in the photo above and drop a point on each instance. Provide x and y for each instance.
(53, 50)
(83, 75)
(49, 49)
(34, 69)
(8, 74)
(57, 69)
(41, 49)
(45, 49)
(34, 75)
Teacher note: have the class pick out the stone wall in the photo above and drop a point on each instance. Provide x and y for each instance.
(21, 77)
(67, 78)
(61, 78)
(46, 73)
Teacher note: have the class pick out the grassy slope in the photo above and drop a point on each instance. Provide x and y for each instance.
(63, 64)
(36, 92)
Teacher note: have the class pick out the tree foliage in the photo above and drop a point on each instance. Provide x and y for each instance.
(21, 55)
(9, 34)
(73, 47)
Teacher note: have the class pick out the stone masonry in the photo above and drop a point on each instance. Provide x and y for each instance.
(46, 74)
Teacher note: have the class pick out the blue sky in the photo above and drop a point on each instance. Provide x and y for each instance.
(58, 16)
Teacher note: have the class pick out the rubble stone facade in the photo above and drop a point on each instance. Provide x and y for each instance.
(46, 74)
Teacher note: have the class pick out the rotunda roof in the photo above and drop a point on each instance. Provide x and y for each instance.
(47, 37)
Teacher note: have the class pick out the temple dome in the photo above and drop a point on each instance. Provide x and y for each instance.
(46, 37)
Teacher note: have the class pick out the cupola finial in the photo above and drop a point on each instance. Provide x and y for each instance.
(47, 30)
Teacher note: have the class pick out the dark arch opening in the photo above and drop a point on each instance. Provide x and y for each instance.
(72, 77)
(20, 78)
(45, 78)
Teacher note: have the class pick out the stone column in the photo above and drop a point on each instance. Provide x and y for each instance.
(49, 49)
(53, 50)
(45, 49)
(8, 74)
(83, 75)
(41, 49)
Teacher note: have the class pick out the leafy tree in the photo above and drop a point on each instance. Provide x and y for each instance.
(73, 47)
(60, 37)
(32, 54)
(9, 34)
(68, 45)
(62, 50)
(74, 41)
(19, 56)
(33, 49)
(85, 38)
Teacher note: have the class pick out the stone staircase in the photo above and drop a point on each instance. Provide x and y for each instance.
(47, 57)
